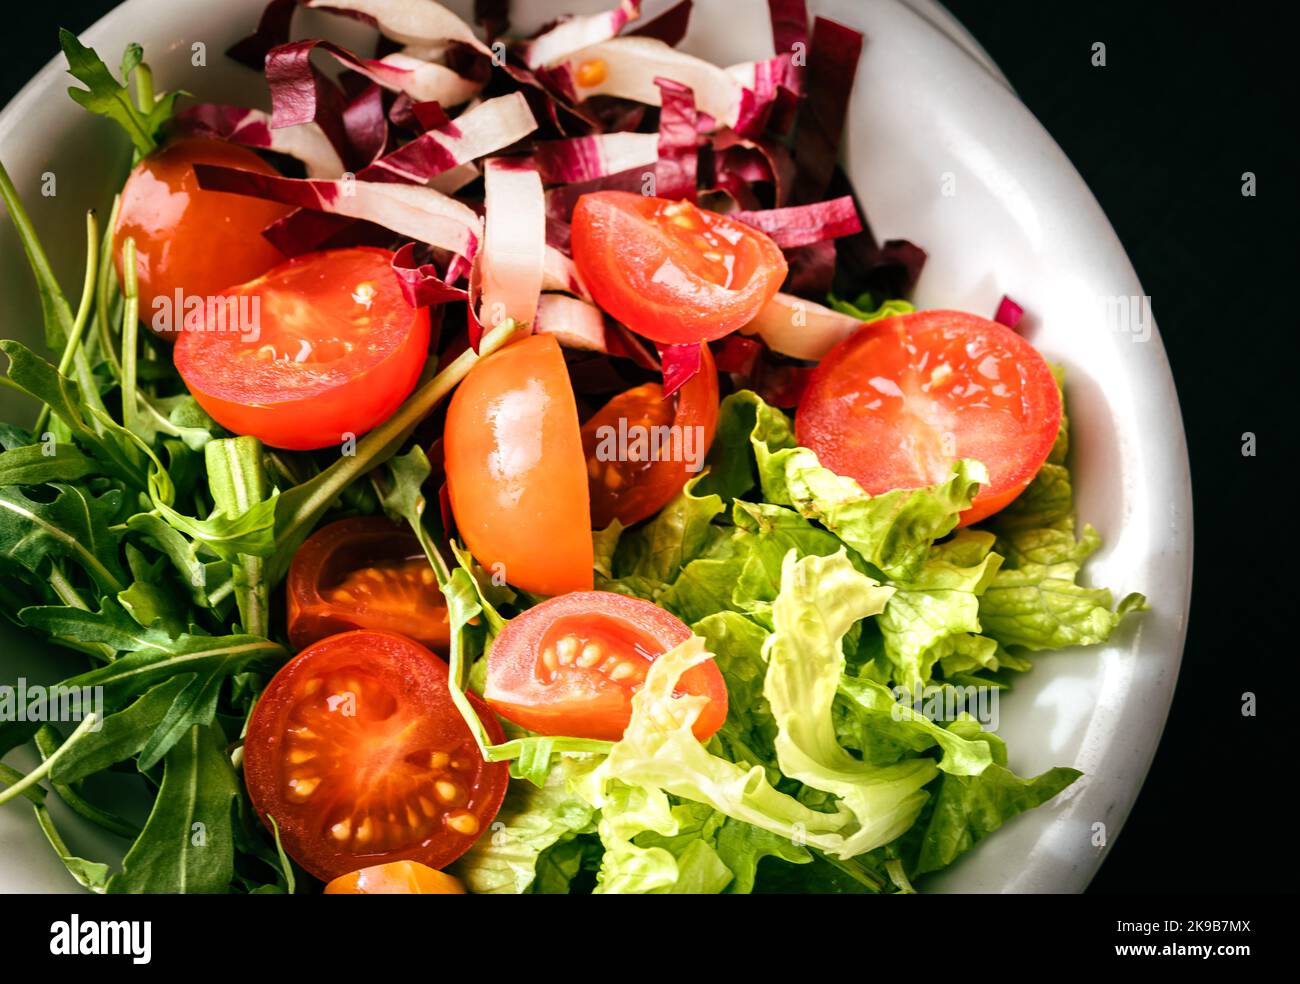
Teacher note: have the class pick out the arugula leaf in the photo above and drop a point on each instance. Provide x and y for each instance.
(195, 705)
(74, 525)
(107, 97)
(122, 736)
(136, 672)
(36, 464)
(91, 875)
(111, 626)
(55, 310)
(110, 444)
(187, 845)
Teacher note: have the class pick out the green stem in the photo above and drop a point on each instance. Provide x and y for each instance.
(237, 481)
(130, 338)
(42, 770)
(54, 306)
(144, 97)
(83, 309)
(10, 775)
(104, 293)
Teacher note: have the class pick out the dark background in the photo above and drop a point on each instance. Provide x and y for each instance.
(1162, 135)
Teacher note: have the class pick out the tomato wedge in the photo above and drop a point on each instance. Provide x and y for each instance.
(396, 878)
(320, 348)
(364, 573)
(671, 271)
(571, 665)
(357, 752)
(897, 403)
(515, 470)
(188, 241)
(641, 449)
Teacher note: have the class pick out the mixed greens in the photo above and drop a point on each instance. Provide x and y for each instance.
(137, 532)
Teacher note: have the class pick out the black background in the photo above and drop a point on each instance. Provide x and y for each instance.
(1162, 135)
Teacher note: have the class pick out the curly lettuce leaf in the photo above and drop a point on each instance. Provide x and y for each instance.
(820, 599)
(531, 821)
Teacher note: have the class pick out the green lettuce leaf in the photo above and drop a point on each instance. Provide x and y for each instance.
(934, 615)
(659, 755)
(531, 821)
(969, 808)
(820, 599)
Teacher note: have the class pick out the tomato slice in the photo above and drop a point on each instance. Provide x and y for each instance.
(571, 666)
(364, 573)
(671, 271)
(641, 449)
(396, 878)
(358, 753)
(515, 470)
(320, 348)
(896, 403)
(189, 241)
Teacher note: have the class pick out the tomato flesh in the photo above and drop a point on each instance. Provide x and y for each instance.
(364, 573)
(189, 240)
(357, 752)
(571, 666)
(515, 469)
(898, 402)
(636, 481)
(671, 271)
(396, 878)
(323, 347)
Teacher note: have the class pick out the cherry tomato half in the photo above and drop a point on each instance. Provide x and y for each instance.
(671, 271)
(357, 751)
(396, 878)
(189, 240)
(641, 449)
(364, 573)
(571, 665)
(320, 348)
(515, 470)
(897, 402)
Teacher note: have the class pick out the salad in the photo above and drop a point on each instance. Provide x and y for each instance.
(513, 466)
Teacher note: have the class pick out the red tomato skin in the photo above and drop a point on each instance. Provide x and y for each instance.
(515, 691)
(623, 259)
(415, 674)
(864, 445)
(198, 242)
(302, 411)
(655, 486)
(516, 474)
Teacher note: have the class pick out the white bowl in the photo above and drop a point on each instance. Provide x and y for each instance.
(929, 112)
